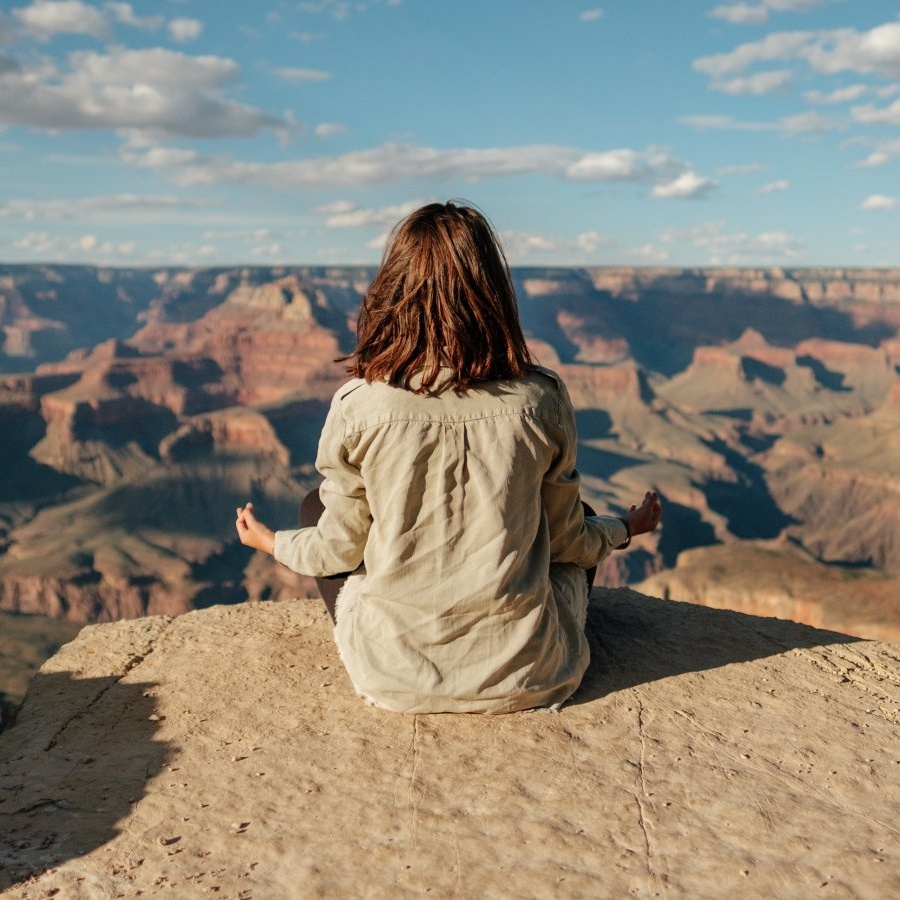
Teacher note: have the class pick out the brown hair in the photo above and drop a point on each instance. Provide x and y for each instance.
(442, 297)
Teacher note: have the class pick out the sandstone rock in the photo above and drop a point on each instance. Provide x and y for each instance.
(224, 753)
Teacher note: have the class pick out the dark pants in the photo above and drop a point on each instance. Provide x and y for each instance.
(311, 509)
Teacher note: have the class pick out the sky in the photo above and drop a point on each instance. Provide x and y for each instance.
(634, 132)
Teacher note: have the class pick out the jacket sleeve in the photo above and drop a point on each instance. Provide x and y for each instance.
(574, 537)
(337, 542)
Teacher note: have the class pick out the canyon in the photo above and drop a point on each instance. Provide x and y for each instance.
(139, 407)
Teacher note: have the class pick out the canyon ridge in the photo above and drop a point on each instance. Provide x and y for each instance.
(139, 407)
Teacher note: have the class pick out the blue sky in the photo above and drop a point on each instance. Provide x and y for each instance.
(638, 132)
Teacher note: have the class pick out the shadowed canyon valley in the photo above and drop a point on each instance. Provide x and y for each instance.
(138, 407)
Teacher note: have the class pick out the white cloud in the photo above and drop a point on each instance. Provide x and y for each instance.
(184, 30)
(267, 251)
(724, 123)
(243, 234)
(114, 207)
(300, 76)
(37, 242)
(343, 214)
(156, 91)
(524, 245)
(801, 123)
(740, 13)
(330, 129)
(876, 51)
(872, 115)
(738, 248)
(124, 13)
(342, 9)
(885, 151)
(649, 253)
(773, 187)
(590, 15)
(392, 163)
(46, 18)
(591, 241)
(748, 14)
(839, 95)
(757, 84)
(742, 169)
(811, 121)
(880, 201)
(687, 186)
(774, 47)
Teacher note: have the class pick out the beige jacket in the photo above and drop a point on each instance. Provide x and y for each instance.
(460, 516)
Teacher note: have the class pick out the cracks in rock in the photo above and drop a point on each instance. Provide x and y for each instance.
(644, 802)
(861, 670)
(131, 663)
(773, 768)
(414, 795)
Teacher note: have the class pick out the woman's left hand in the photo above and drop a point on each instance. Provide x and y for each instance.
(645, 518)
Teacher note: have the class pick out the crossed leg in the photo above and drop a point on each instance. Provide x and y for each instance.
(312, 508)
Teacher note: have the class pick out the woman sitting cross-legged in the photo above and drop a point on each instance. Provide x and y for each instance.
(450, 506)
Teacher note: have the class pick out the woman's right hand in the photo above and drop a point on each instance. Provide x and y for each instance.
(252, 532)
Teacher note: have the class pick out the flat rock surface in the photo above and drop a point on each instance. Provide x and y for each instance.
(224, 753)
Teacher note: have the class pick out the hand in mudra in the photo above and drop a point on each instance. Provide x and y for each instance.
(252, 532)
(646, 517)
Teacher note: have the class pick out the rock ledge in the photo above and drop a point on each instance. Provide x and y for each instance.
(223, 753)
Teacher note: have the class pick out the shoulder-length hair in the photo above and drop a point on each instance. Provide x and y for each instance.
(442, 298)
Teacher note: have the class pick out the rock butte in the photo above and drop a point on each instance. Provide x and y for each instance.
(139, 407)
(224, 753)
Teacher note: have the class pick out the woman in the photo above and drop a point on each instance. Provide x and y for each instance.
(450, 503)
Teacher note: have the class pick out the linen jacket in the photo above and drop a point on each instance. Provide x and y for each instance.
(460, 518)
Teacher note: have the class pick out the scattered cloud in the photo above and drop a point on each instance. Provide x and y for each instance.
(873, 52)
(590, 15)
(740, 13)
(650, 253)
(45, 19)
(43, 245)
(724, 123)
(521, 246)
(301, 76)
(872, 115)
(736, 248)
(807, 122)
(757, 84)
(124, 14)
(392, 163)
(773, 187)
(342, 9)
(800, 123)
(344, 214)
(154, 91)
(839, 95)
(184, 30)
(880, 201)
(754, 14)
(687, 186)
(113, 207)
(885, 151)
(330, 129)
(591, 241)
(741, 169)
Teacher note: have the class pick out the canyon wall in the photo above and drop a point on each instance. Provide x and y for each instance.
(139, 407)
